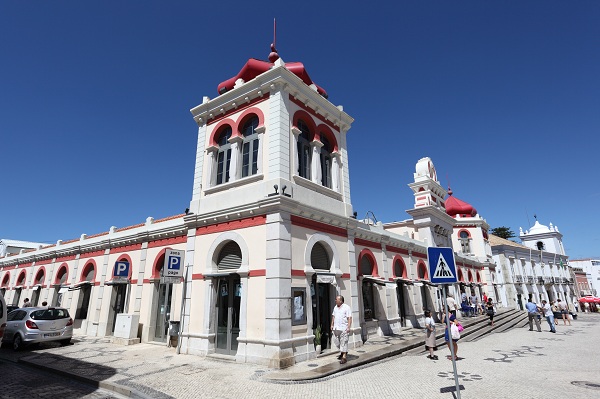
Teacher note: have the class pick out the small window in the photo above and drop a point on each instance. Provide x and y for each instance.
(398, 268)
(224, 156)
(540, 245)
(366, 266)
(250, 148)
(230, 257)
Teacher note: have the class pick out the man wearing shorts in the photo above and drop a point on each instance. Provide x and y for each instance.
(340, 325)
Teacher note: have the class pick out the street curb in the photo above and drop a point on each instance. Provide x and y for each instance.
(110, 386)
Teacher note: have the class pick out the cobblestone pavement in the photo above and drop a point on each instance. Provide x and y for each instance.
(517, 363)
(19, 381)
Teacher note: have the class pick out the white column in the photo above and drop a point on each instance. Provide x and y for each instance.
(295, 132)
(335, 171)
(261, 141)
(236, 153)
(315, 162)
(210, 166)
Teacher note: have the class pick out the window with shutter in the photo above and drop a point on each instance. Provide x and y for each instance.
(319, 259)
(230, 257)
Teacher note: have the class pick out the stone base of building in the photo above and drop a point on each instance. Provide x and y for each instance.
(124, 341)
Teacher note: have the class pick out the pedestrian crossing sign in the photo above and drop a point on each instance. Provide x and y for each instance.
(442, 269)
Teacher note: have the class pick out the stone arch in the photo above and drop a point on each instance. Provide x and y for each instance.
(219, 243)
(329, 246)
(369, 255)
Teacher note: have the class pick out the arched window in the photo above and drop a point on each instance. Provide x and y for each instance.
(326, 161)
(303, 150)
(366, 266)
(61, 276)
(465, 245)
(319, 258)
(398, 268)
(422, 271)
(224, 155)
(230, 257)
(89, 273)
(250, 147)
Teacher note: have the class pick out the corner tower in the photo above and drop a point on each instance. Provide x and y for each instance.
(270, 131)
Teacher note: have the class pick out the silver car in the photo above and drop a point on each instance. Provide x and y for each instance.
(34, 325)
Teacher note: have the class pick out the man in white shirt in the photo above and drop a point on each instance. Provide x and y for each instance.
(549, 315)
(340, 325)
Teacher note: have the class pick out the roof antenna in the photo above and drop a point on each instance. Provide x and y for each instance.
(274, 56)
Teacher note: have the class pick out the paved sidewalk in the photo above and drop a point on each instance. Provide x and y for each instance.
(492, 367)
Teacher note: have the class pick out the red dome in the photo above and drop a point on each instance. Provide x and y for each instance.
(255, 67)
(454, 206)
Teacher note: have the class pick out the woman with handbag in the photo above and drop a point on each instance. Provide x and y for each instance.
(489, 310)
(455, 336)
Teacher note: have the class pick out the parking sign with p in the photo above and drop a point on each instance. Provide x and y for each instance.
(121, 269)
(173, 266)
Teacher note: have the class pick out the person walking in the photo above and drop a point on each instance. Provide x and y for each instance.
(489, 310)
(549, 315)
(452, 307)
(453, 334)
(340, 326)
(532, 314)
(27, 303)
(430, 335)
(563, 308)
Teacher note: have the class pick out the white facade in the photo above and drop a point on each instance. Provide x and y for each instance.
(523, 271)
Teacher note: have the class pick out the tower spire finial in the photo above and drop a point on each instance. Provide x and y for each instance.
(274, 56)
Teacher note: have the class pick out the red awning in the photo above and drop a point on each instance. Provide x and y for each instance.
(589, 299)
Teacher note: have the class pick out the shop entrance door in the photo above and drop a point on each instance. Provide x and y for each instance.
(119, 295)
(229, 297)
(163, 312)
(400, 294)
(322, 308)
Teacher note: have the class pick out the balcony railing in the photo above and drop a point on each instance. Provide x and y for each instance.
(518, 278)
(529, 279)
(565, 280)
(547, 280)
(540, 280)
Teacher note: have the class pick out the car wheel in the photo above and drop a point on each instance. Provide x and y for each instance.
(65, 342)
(17, 342)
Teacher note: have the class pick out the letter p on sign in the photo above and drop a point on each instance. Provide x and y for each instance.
(173, 266)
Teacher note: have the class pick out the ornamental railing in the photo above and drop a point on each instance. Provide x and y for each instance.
(518, 278)
(529, 279)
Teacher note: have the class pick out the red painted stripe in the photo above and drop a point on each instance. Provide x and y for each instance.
(257, 273)
(25, 264)
(346, 275)
(419, 255)
(322, 227)
(298, 273)
(86, 255)
(365, 243)
(96, 283)
(397, 250)
(241, 107)
(234, 224)
(65, 258)
(198, 276)
(146, 281)
(167, 241)
(126, 248)
(134, 281)
(43, 262)
(312, 112)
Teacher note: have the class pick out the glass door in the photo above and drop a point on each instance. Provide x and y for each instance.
(229, 296)
(118, 305)
(163, 312)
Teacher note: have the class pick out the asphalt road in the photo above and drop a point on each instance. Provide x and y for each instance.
(21, 381)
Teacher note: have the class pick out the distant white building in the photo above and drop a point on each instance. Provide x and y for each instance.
(9, 247)
(535, 268)
(591, 267)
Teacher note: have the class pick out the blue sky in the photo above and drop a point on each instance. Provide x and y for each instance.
(503, 96)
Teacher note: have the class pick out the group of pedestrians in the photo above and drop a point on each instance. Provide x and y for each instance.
(535, 313)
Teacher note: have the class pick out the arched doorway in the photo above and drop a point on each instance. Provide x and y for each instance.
(322, 292)
(229, 298)
(37, 286)
(163, 291)
(60, 283)
(85, 291)
(401, 289)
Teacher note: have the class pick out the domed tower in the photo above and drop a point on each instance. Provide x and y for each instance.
(429, 214)
(470, 234)
(543, 238)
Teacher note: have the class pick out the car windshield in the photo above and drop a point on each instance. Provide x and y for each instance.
(49, 314)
